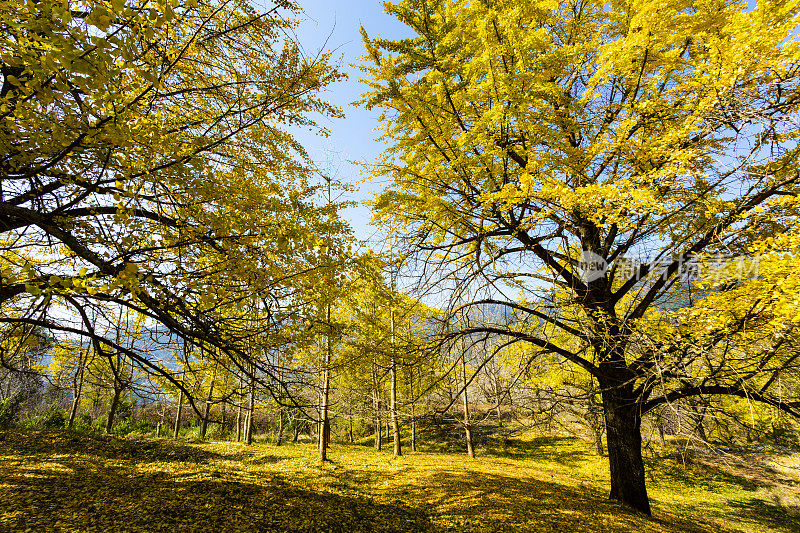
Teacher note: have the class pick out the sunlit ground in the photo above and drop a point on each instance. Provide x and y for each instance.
(71, 482)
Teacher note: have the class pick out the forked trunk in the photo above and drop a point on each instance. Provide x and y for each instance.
(624, 439)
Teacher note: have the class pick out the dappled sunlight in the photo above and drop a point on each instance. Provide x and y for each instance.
(62, 480)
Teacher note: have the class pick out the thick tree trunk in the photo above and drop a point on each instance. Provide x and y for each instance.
(624, 439)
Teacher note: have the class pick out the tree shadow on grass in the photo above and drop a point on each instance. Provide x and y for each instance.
(36, 443)
(76, 495)
(479, 501)
(768, 514)
(561, 450)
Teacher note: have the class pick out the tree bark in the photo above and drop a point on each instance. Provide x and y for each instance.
(178, 414)
(239, 416)
(279, 440)
(297, 426)
(324, 429)
(376, 401)
(76, 399)
(112, 410)
(248, 431)
(207, 413)
(398, 451)
(624, 439)
(413, 410)
(180, 393)
(350, 427)
(467, 426)
(499, 398)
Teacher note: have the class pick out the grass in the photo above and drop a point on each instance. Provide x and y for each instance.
(61, 481)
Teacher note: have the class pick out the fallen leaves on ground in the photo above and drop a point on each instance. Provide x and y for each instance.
(63, 481)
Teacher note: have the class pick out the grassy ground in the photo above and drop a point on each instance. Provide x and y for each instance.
(70, 482)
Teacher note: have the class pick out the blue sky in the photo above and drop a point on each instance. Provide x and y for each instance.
(334, 25)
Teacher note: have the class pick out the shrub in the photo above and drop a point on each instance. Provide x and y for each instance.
(9, 410)
(53, 419)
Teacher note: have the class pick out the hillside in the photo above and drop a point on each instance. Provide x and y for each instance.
(63, 481)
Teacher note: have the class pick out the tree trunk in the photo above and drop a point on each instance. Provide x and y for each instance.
(499, 398)
(248, 429)
(350, 427)
(598, 440)
(324, 426)
(378, 426)
(279, 440)
(413, 410)
(180, 393)
(398, 451)
(178, 415)
(208, 410)
(74, 409)
(376, 402)
(297, 427)
(467, 426)
(239, 420)
(112, 410)
(76, 400)
(624, 439)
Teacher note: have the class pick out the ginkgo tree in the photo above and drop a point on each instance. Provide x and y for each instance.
(146, 161)
(531, 140)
